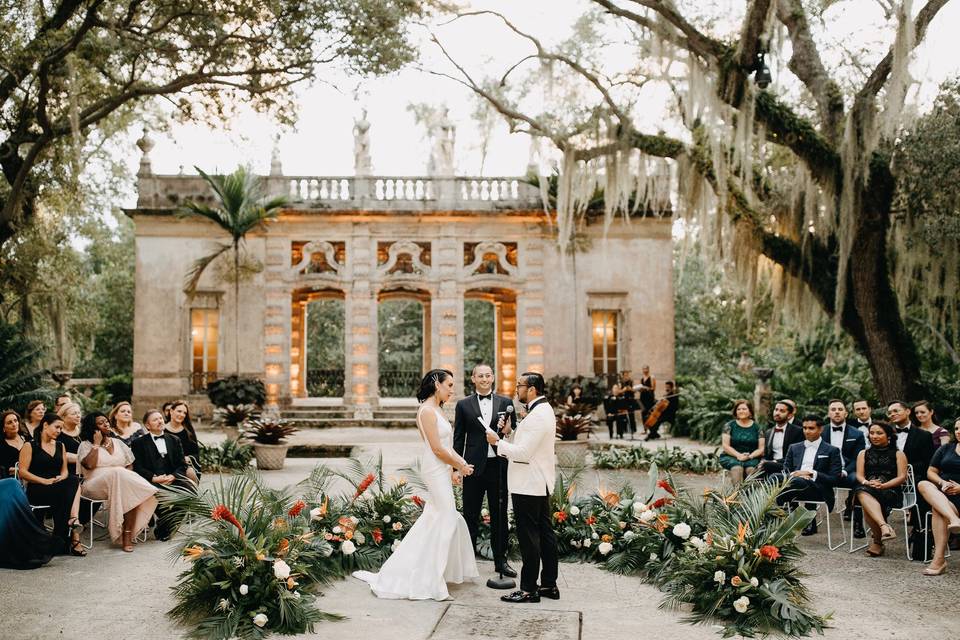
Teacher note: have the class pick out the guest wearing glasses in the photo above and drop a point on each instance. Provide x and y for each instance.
(43, 466)
(881, 474)
(941, 490)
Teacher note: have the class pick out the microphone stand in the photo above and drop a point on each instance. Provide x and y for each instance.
(501, 582)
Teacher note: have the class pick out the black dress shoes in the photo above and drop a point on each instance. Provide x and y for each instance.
(858, 531)
(549, 592)
(521, 596)
(506, 570)
(810, 529)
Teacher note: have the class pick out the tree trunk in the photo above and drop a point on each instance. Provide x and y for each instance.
(872, 315)
(236, 304)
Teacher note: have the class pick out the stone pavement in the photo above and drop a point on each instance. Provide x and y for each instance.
(120, 596)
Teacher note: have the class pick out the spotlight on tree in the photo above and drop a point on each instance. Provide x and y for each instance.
(761, 72)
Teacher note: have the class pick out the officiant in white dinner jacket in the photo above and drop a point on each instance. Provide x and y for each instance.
(530, 477)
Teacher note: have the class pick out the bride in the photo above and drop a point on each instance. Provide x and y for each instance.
(437, 549)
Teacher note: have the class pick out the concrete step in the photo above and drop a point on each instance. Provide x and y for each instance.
(324, 423)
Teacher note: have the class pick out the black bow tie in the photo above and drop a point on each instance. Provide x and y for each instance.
(903, 429)
(489, 396)
(158, 437)
(778, 429)
(840, 428)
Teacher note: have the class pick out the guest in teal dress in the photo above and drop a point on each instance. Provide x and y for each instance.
(742, 443)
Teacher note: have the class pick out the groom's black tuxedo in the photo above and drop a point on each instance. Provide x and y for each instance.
(149, 462)
(489, 473)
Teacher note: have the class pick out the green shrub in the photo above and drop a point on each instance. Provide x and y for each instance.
(231, 455)
(672, 459)
(234, 390)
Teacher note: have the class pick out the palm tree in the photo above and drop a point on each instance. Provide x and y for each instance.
(22, 377)
(243, 208)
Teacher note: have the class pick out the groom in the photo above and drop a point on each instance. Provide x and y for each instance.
(473, 415)
(530, 477)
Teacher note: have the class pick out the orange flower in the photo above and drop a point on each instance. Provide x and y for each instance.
(736, 581)
(296, 508)
(742, 530)
(261, 555)
(377, 536)
(364, 485)
(283, 547)
(348, 534)
(279, 523)
(192, 553)
(609, 498)
(606, 537)
(591, 519)
(560, 516)
(346, 524)
(323, 507)
(663, 484)
(220, 512)
(291, 583)
(769, 552)
(306, 536)
(662, 521)
(417, 500)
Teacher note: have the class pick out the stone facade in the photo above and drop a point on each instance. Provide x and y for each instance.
(365, 239)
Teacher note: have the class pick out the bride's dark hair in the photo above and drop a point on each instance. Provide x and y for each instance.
(430, 383)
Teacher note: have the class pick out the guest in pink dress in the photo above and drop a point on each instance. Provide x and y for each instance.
(104, 462)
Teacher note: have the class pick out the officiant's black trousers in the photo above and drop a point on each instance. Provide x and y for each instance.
(538, 542)
(492, 483)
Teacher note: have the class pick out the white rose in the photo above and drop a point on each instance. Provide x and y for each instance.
(638, 508)
(741, 604)
(244, 589)
(629, 535)
(604, 548)
(595, 535)
(386, 519)
(393, 547)
(316, 513)
(484, 512)
(700, 545)
(337, 529)
(754, 582)
(654, 557)
(354, 519)
(574, 510)
(719, 577)
(296, 594)
(397, 526)
(359, 538)
(576, 544)
(281, 569)
(647, 516)
(682, 530)
(347, 548)
(260, 619)
(587, 542)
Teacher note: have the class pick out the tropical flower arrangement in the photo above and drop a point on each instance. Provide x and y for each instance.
(673, 459)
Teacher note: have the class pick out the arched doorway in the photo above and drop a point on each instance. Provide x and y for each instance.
(490, 335)
(403, 341)
(317, 344)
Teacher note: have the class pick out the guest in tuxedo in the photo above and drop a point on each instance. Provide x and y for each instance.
(471, 417)
(881, 473)
(159, 460)
(778, 439)
(915, 443)
(941, 490)
(531, 475)
(813, 468)
(864, 418)
(851, 442)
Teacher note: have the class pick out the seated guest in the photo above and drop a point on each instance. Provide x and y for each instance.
(924, 415)
(33, 416)
(610, 408)
(851, 442)
(160, 461)
(813, 469)
(864, 418)
(69, 412)
(122, 424)
(575, 397)
(24, 542)
(881, 473)
(918, 446)
(742, 443)
(941, 490)
(43, 466)
(104, 462)
(181, 426)
(668, 415)
(62, 399)
(13, 440)
(779, 438)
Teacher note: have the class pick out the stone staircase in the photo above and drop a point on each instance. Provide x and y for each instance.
(322, 417)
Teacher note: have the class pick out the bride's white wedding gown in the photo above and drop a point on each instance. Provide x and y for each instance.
(437, 548)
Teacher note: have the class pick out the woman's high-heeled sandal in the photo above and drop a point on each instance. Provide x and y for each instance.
(74, 525)
(76, 549)
(887, 532)
(934, 572)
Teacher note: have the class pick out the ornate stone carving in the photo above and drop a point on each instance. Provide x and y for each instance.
(325, 262)
(489, 258)
(404, 259)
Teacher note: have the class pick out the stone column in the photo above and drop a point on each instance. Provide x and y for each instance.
(361, 326)
(277, 353)
(530, 310)
(447, 309)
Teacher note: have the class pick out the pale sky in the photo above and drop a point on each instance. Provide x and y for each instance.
(322, 141)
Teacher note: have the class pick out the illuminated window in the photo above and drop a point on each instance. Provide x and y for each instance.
(606, 336)
(204, 337)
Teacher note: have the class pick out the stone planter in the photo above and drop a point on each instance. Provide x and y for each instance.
(270, 457)
(572, 454)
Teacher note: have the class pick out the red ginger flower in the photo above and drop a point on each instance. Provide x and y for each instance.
(590, 519)
(364, 485)
(377, 536)
(297, 507)
(417, 500)
(560, 516)
(663, 484)
(769, 552)
(220, 512)
(659, 502)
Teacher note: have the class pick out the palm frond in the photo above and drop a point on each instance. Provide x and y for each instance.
(200, 265)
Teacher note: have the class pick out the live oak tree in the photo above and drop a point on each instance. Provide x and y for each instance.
(70, 67)
(795, 186)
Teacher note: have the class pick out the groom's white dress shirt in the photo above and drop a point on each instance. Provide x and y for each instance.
(530, 451)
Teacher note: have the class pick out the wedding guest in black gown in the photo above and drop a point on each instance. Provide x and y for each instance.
(181, 426)
(881, 473)
(11, 444)
(43, 465)
(24, 543)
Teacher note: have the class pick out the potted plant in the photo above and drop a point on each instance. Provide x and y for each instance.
(269, 442)
(234, 417)
(571, 450)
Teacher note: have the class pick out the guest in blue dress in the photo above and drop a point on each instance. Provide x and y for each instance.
(24, 543)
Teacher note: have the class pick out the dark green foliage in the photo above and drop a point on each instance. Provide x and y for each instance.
(230, 455)
(400, 328)
(671, 459)
(120, 387)
(236, 390)
(569, 427)
(263, 431)
(479, 341)
(325, 334)
(21, 377)
(593, 389)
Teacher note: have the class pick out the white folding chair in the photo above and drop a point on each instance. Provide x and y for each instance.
(927, 523)
(92, 522)
(909, 502)
(16, 476)
(826, 519)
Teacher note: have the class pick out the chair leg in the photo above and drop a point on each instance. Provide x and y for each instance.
(854, 549)
(843, 530)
